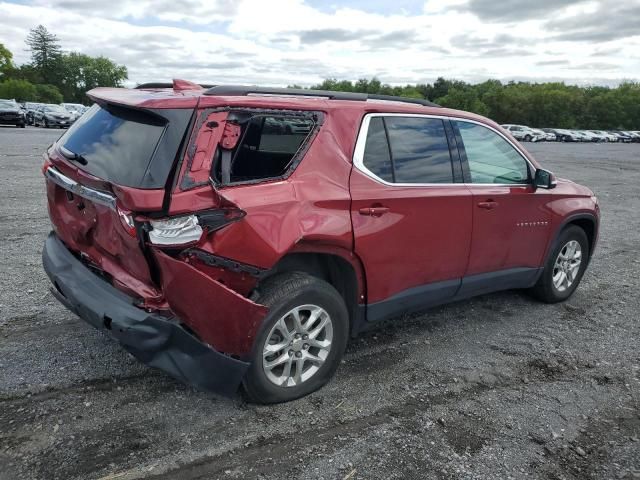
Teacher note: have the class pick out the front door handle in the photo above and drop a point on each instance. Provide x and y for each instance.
(488, 205)
(373, 211)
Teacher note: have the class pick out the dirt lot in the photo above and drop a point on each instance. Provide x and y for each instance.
(496, 387)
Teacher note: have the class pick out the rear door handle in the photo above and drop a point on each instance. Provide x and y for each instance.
(373, 211)
(488, 205)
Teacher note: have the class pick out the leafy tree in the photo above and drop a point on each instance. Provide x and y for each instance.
(45, 53)
(463, 99)
(6, 61)
(48, 94)
(20, 90)
(535, 104)
(81, 73)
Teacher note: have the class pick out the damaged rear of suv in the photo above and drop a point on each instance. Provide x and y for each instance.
(239, 236)
(163, 204)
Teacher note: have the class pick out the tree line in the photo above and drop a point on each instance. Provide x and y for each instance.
(539, 105)
(54, 76)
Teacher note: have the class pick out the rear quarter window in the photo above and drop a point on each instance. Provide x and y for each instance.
(269, 145)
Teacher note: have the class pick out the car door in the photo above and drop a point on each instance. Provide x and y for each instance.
(511, 224)
(411, 213)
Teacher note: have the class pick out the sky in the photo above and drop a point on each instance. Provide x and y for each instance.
(284, 42)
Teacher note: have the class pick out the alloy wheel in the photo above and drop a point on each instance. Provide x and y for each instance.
(567, 265)
(297, 346)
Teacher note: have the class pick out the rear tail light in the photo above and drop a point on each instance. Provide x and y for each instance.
(175, 231)
(47, 163)
(127, 222)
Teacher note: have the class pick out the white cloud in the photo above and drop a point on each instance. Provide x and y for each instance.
(289, 41)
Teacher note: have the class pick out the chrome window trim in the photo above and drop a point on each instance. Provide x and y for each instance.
(96, 196)
(358, 153)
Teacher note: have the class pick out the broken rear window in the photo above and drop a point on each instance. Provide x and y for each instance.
(267, 148)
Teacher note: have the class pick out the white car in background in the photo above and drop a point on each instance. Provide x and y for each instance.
(546, 136)
(598, 136)
(524, 133)
(585, 136)
(609, 137)
(75, 109)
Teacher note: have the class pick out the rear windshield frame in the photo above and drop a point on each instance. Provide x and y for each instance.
(158, 170)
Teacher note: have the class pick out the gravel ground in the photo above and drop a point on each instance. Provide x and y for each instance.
(495, 387)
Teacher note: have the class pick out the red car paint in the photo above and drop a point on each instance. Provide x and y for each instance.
(181, 280)
(421, 235)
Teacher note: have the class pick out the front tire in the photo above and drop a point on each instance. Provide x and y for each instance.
(565, 266)
(302, 339)
(527, 138)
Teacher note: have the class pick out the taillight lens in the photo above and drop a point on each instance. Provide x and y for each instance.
(126, 219)
(175, 231)
(47, 163)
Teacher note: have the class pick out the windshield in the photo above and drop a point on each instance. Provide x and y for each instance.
(8, 103)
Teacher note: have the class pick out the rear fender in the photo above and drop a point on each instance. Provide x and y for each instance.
(219, 316)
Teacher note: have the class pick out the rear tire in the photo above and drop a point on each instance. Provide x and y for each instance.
(289, 296)
(561, 276)
(527, 138)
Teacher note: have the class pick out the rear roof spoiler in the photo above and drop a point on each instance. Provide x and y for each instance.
(176, 85)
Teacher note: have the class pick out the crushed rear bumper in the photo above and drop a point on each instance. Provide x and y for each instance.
(155, 340)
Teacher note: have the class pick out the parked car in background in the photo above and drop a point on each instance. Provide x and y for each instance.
(635, 136)
(551, 133)
(544, 136)
(169, 233)
(76, 109)
(585, 136)
(622, 137)
(564, 135)
(12, 114)
(609, 137)
(50, 115)
(596, 136)
(523, 133)
(30, 110)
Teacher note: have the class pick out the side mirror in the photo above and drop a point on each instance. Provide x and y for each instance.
(544, 179)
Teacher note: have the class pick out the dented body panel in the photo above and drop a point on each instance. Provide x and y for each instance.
(220, 317)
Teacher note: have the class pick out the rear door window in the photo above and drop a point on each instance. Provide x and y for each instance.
(377, 157)
(419, 150)
(410, 150)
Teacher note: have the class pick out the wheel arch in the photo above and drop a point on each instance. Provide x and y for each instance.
(588, 222)
(339, 267)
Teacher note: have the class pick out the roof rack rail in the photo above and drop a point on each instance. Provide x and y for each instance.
(242, 90)
(166, 85)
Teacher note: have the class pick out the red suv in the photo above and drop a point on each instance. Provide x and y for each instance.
(237, 235)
